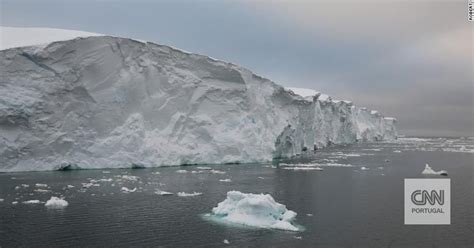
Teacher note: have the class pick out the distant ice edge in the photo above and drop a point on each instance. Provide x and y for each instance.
(114, 102)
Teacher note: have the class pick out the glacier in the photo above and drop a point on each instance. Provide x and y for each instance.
(111, 102)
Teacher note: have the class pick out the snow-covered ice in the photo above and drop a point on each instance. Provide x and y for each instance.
(127, 190)
(107, 101)
(429, 171)
(303, 168)
(217, 172)
(162, 192)
(364, 168)
(184, 194)
(32, 202)
(227, 180)
(256, 210)
(56, 202)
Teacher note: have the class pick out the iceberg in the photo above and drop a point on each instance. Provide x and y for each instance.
(255, 210)
(56, 203)
(429, 171)
(111, 102)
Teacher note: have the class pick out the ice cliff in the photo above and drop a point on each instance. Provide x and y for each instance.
(115, 102)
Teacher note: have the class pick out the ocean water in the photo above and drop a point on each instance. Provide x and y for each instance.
(340, 206)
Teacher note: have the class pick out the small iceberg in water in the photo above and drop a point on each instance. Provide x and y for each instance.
(56, 203)
(429, 171)
(255, 210)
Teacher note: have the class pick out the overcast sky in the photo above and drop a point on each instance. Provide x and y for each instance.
(408, 59)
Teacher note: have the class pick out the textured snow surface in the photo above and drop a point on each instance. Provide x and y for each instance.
(17, 37)
(256, 210)
(56, 202)
(113, 102)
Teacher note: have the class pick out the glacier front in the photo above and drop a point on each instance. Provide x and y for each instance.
(112, 102)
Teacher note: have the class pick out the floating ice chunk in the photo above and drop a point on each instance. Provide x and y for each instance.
(297, 168)
(1, 199)
(17, 187)
(227, 180)
(317, 165)
(217, 172)
(364, 168)
(32, 202)
(184, 194)
(70, 186)
(397, 151)
(56, 203)
(106, 180)
(41, 185)
(25, 185)
(127, 190)
(257, 210)
(88, 185)
(429, 171)
(106, 172)
(226, 241)
(181, 171)
(156, 173)
(204, 168)
(14, 202)
(130, 178)
(161, 192)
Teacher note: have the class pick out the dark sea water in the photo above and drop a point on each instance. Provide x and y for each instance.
(339, 206)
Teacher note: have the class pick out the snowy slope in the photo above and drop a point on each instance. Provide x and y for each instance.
(113, 102)
(11, 37)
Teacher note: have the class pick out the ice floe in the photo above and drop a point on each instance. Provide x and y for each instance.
(217, 172)
(127, 190)
(307, 168)
(162, 192)
(227, 180)
(255, 210)
(429, 171)
(184, 194)
(56, 203)
(32, 202)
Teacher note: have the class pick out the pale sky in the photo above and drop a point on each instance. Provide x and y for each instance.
(409, 59)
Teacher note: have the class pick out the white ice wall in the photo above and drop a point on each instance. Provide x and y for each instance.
(113, 102)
